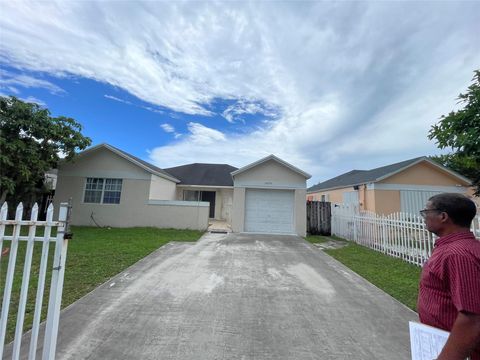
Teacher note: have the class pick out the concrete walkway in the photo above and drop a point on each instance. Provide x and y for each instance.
(234, 296)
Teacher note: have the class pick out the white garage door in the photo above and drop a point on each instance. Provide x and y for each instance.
(269, 211)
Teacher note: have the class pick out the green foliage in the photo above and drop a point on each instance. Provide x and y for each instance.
(464, 165)
(460, 131)
(30, 143)
(394, 276)
(94, 256)
(316, 239)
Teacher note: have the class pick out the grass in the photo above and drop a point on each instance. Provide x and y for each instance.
(394, 276)
(94, 256)
(315, 239)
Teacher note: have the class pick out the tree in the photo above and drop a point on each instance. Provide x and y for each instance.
(31, 142)
(464, 165)
(460, 131)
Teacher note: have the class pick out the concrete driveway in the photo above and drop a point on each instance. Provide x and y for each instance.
(236, 296)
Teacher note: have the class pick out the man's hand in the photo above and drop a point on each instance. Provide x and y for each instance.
(463, 339)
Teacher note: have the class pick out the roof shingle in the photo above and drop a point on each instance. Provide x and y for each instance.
(358, 177)
(203, 174)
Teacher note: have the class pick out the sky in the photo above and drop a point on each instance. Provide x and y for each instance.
(326, 86)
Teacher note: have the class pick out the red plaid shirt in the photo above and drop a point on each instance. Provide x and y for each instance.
(450, 282)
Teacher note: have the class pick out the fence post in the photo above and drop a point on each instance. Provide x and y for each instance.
(354, 227)
(384, 233)
(10, 272)
(41, 283)
(56, 287)
(25, 282)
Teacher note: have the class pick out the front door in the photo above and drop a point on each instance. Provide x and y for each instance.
(210, 197)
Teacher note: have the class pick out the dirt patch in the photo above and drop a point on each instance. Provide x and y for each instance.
(331, 244)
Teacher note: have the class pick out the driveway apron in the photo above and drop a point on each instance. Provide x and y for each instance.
(235, 296)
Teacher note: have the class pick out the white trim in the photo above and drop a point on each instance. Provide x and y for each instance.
(269, 186)
(102, 192)
(178, 203)
(451, 172)
(377, 186)
(204, 187)
(274, 158)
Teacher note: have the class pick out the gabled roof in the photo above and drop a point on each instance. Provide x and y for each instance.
(274, 158)
(203, 174)
(359, 177)
(133, 159)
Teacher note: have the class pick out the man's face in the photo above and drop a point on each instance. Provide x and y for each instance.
(433, 218)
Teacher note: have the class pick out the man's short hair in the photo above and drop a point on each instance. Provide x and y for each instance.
(459, 208)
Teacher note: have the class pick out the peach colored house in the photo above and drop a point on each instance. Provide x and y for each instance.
(403, 186)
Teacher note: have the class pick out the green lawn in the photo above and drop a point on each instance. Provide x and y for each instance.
(394, 276)
(94, 255)
(314, 239)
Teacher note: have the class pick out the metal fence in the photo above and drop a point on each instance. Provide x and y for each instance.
(400, 235)
(58, 271)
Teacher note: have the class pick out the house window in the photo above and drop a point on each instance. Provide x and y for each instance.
(191, 195)
(103, 191)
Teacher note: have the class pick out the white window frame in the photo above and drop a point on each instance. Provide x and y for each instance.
(102, 196)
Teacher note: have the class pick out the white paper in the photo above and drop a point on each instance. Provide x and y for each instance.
(426, 342)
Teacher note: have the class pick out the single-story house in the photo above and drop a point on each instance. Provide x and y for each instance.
(109, 187)
(399, 187)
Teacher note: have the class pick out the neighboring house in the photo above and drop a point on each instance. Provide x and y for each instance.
(110, 187)
(403, 186)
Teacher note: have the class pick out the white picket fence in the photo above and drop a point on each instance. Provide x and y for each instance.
(58, 271)
(400, 235)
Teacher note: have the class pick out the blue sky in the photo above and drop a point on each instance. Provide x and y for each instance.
(327, 86)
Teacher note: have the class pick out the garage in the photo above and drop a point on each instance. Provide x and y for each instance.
(269, 211)
(269, 197)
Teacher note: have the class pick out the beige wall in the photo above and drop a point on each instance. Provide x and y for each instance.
(133, 209)
(387, 201)
(227, 205)
(162, 189)
(270, 175)
(223, 200)
(334, 196)
(104, 164)
(369, 200)
(424, 173)
(238, 218)
(300, 212)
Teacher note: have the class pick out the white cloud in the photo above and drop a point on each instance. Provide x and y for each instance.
(114, 98)
(348, 84)
(203, 135)
(167, 128)
(32, 99)
(11, 81)
(234, 112)
(149, 108)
